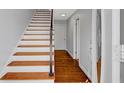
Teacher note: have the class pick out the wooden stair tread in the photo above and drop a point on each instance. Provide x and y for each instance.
(41, 17)
(35, 39)
(30, 53)
(27, 76)
(38, 11)
(29, 63)
(34, 46)
(39, 26)
(40, 22)
(41, 14)
(37, 30)
(37, 34)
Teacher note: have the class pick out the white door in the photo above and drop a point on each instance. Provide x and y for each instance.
(77, 39)
(60, 35)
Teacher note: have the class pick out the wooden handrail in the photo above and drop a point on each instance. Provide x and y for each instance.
(51, 38)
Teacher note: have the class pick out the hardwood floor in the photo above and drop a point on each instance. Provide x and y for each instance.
(99, 70)
(67, 69)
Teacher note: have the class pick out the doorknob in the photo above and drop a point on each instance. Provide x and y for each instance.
(90, 48)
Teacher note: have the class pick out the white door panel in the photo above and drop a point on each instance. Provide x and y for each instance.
(60, 36)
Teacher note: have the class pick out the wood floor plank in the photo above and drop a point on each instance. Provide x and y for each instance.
(99, 70)
(27, 76)
(67, 69)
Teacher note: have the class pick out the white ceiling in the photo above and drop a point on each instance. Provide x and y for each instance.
(59, 12)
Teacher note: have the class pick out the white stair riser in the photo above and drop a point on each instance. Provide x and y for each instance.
(45, 14)
(36, 37)
(43, 49)
(42, 12)
(42, 21)
(37, 32)
(39, 25)
(28, 68)
(41, 18)
(32, 58)
(35, 43)
(38, 28)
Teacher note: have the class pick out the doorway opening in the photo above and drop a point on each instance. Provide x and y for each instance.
(77, 39)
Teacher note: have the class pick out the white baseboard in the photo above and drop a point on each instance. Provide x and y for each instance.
(3, 72)
(70, 53)
(85, 71)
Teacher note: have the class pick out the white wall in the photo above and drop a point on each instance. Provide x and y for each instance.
(85, 37)
(60, 35)
(106, 75)
(98, 36)
(12, 24)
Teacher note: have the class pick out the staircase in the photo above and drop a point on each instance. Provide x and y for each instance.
(33, 58)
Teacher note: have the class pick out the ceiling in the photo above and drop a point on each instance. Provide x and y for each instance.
(67, 12)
